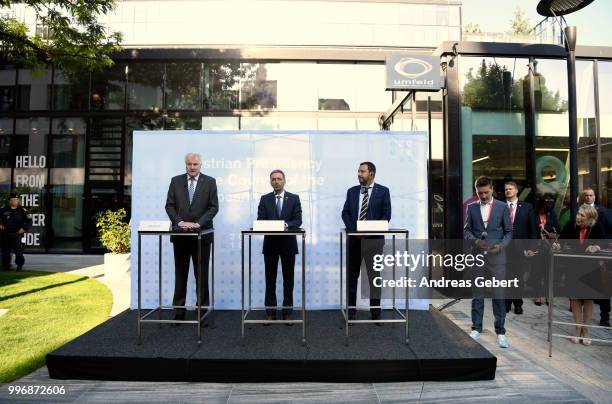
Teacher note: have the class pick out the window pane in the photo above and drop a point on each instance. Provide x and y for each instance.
(30, 174)
(605, 118)
(145, 86)
(7, 89)
(336, 85)
(34, 91)
(108, 89)
(67, 183)
(70, 92)
(183, 86)
(552, 130)
(257, 90)
(493, 122)
(221, 84)
(6, 162)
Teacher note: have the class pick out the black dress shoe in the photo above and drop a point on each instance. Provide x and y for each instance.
(604, 323)
(177, 317)
(518, 310)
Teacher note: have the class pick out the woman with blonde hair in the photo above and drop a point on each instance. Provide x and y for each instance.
(586, 230)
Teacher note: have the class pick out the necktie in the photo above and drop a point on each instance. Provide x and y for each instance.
(512, 211)
(364, 203)
(279, 206)
(191, 188)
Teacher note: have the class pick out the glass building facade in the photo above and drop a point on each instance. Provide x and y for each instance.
(66, 140)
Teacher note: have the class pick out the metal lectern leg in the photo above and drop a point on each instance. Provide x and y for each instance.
(199, 288)
(406, 298)
(551, 302)
(242, 279)
(212, 286)
(159, 304)
(303, 289)
(139, 287)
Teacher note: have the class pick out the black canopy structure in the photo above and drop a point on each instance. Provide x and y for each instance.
(556, 8)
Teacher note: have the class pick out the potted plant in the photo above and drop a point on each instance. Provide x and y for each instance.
(115, 236)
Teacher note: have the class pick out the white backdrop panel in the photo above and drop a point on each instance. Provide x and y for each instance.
(319, 167)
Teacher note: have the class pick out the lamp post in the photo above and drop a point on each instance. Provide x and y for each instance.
(557, 9)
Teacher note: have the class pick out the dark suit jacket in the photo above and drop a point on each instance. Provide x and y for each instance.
(291, 213)
(379, 206)
(572, 232)
(499, 228)
(524, 226)
(552, 222)
(605, 221)
(203, 207)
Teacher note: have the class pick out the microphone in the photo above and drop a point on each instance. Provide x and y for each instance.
(483, 236)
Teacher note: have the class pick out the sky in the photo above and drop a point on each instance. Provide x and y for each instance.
(593, 23)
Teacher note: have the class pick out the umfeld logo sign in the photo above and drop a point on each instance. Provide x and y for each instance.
(413, 72)
(412, 68)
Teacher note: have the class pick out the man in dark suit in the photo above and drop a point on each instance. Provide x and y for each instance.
(488, 226)
(191, 205)
(522, 218)
(280, 205)
(604, 219)
(366, 201)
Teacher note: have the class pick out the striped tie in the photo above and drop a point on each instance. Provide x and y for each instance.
(364, 203)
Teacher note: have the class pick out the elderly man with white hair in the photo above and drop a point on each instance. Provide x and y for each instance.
(191, 205)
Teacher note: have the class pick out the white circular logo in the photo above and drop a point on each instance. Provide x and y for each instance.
(412, 68)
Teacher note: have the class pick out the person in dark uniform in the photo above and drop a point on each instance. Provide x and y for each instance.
(15, 222)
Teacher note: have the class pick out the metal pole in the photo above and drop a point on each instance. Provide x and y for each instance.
(303, 288)
(199, 287)
(250, 304)
(570, 37)
(242, 279)
(406, 303)
(159, 314)
(139, 285)
(550, 302)
(393, 289)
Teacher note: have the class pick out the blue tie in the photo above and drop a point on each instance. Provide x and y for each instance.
(191, 188)
(279, 206)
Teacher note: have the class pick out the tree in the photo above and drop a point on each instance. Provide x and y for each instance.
(68, 35)
(473, 28)
(521, 24)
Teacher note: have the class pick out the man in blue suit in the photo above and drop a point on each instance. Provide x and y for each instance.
(280, 205)
(488, 226)
(366, 201)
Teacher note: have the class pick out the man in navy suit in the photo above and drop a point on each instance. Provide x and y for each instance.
(191, 205)
(605, 221)
(280, 205)
(366, 201)
(488, 226)
(522, 218)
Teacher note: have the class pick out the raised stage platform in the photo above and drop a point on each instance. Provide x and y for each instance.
(438, 350)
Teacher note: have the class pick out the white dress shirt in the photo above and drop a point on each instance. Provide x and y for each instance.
(485, 210)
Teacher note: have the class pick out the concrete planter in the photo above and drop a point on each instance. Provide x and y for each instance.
(116, 265)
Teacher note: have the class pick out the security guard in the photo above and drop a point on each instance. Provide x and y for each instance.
(15, 222)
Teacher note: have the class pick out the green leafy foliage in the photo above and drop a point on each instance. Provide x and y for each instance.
(70, 35)
(114, 231)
